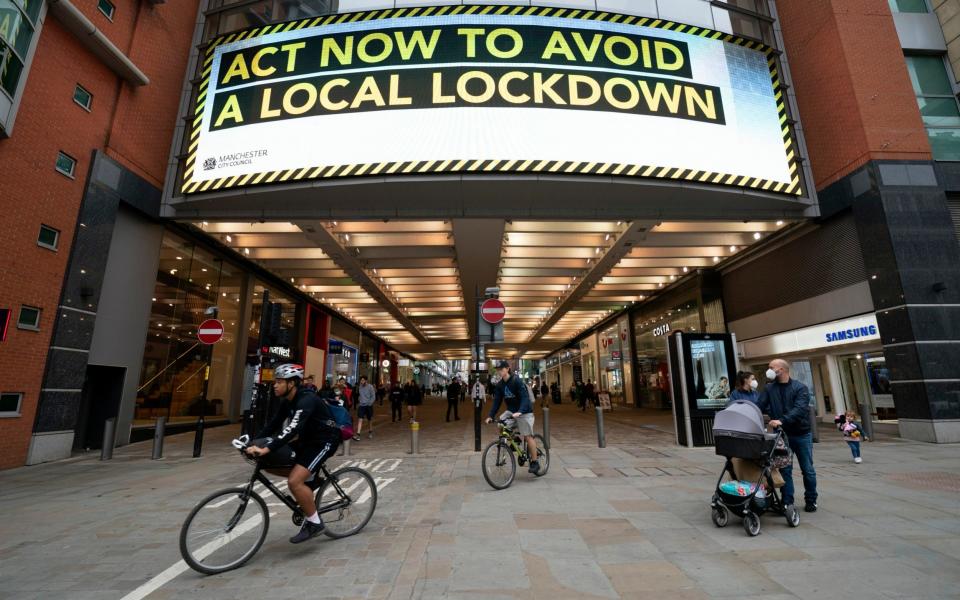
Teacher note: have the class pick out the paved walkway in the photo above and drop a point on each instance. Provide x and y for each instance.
(628, 521)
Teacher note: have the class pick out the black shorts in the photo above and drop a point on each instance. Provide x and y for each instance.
(365, 412)
(308, 456)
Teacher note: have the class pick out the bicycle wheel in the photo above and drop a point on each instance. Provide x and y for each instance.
(355, 491)
(543, 455)
(224, 530)
(499, 465)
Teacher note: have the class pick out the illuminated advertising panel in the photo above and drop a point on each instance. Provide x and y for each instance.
(488, 89)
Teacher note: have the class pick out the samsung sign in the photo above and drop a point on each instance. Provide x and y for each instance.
(462, 89)
(852, 334)
(819, 337)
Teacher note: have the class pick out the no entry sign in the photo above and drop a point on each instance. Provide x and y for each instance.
(210, 331)
(492, 311)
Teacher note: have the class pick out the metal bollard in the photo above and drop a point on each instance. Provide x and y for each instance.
(198, 438)
(158, 432)
(109, 439)
(546, 427)
(414, 438)
(601, 435)
(344, 448)
(813, 424)
(866, 420)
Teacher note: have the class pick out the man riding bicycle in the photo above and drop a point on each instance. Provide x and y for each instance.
(519, 408)
(317, 438)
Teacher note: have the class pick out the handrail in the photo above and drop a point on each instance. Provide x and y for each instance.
(170, 364)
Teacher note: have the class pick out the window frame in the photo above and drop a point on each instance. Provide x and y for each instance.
(7, 414)
(87, 107)
(953, 95)
(893, 8)
(56, 243)
(73, 168)
(21, 325)
(113, 8)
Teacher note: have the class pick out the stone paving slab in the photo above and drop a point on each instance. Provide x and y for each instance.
(627, 521)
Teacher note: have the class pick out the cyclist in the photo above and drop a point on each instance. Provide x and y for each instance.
(317, 438)
(514, 392)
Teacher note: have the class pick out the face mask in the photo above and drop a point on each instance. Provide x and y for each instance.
(771, 374)
(754, 384)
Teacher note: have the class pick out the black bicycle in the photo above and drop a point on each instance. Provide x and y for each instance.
(500, 457)
(227, 527)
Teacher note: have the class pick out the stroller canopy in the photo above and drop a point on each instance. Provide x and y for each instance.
(741, 416)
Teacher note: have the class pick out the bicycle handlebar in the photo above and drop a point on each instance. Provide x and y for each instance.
(241, 442)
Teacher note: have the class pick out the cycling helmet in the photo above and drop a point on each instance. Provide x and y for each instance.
(288, 371)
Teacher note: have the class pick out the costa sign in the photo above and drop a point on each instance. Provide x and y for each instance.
(527, 89)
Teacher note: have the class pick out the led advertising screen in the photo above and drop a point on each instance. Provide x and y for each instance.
(488, 89)
(711, 382)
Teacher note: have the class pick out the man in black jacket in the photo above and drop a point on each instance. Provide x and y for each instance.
(787, 402)
(453, 399)
(317, 438)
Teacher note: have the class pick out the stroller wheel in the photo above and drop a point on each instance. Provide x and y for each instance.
(719, 516)
(751, 524)
(792, 515)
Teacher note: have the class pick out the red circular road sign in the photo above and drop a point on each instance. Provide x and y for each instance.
(210, 331)
(492, 311)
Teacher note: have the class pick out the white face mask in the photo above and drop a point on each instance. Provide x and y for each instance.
(771, 374)
(754, 384)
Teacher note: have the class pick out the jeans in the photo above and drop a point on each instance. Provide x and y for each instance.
(802, 446)
(854, 448)
(452, 404)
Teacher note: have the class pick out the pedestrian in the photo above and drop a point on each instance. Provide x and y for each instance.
(746, 387)
(787, 402)
(544, 391)
(381, 393)
(573, 394)
(396, 402)
(453, 400)
(852, 433)
(366, 396)
(309, 384)
(535, 387)
(414, 399)
(588, 394)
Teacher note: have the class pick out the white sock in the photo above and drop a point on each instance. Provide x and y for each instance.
(314, 518)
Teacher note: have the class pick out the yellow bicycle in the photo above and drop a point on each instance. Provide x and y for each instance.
(500, 457)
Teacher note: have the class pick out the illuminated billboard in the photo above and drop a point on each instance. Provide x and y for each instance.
(488, 89)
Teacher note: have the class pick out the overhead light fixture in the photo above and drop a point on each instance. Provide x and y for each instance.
(229, 239)
(179, 258)
(779, 223)
(733, 248)
(686, 270)
(756, 235)
(716, 259)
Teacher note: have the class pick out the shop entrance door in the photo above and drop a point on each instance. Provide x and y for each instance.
(865, 381)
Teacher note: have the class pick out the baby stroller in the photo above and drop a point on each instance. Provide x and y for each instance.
(739, 433)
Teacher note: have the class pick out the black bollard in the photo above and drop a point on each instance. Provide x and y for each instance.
(198, 438)
(109, 439)
(158, 433)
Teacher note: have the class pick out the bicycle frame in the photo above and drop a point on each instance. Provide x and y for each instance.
(287, 499)
(506, 433)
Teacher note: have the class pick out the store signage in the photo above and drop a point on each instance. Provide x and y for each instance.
(837, 333)
(661, 329)
(364, 357)
(851, 334)
(281, 351)
(526, 89)
(347, 352)
(615, 354)
(336, 347)
(385, 363)
(403, 362)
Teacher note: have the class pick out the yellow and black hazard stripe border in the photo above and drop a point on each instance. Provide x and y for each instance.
(189, 186)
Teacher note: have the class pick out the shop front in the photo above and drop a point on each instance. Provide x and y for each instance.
(693, 308)
(841, 362)
(611, 364)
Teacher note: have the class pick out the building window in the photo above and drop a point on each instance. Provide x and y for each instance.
(29, 318)
(938, 105)
(909, 6)
(82, 97)
(10, 404)
(66, 164)
(49, 237)
(107, 8)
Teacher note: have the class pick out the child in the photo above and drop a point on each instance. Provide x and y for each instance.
(852, 433)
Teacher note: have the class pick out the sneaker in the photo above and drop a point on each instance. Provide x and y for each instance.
(356, 437)
(858, 460)
(534, 467)
(308, 531)
(810, 507)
